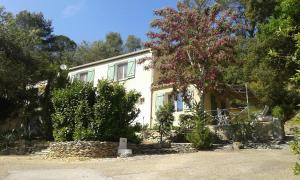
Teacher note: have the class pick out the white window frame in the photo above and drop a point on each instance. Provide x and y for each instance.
(86, 77)
(124, 75)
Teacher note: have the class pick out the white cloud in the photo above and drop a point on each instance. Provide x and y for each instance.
(72, 9)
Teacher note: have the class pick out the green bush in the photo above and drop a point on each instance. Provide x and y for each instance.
(165, 119)
(200, 137)
(115, 112)
(105, 113)
(72, 111)
(278, 112)
(186, 123)
(295, 145)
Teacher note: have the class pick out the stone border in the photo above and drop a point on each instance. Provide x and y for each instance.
(97, 149)
(91, 149)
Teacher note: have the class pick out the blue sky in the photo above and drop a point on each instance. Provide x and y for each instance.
(92, 19)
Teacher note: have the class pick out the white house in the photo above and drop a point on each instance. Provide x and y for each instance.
(125, 69)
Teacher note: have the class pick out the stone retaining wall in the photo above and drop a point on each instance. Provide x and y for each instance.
(94, 149)
(22, 147)
(97, 149)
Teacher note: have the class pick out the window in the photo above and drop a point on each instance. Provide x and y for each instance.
(181, 105)
(179, 102)
(122, 71)
(83, 76)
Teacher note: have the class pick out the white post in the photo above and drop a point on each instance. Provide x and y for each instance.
(247, 101)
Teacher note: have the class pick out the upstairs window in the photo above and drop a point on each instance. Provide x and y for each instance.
(83, 76)
(122, 71)
(86, 76)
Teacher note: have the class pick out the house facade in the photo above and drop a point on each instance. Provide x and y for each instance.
(126, 69)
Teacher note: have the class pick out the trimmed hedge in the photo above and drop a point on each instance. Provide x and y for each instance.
(105, 113)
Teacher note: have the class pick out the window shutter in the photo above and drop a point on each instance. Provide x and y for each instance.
(91, 75)
(111, 72)
(131, 68)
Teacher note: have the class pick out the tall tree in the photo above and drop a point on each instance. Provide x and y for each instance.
(114, 44)
(132, 43)
(275, 56)
(191, 46)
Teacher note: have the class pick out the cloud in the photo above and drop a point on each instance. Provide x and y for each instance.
(72, 9)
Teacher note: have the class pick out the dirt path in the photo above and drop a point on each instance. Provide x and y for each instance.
(244, 164)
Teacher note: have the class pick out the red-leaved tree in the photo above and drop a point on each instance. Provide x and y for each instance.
(191, 47)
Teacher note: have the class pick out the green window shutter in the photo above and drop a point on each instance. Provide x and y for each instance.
(91, 75)
(111, 72)
(131, 68)
(159, 101)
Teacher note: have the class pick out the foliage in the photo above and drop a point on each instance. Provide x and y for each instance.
(191, 46)
(165, 119)
(101, 49)
(114, 111)
(241, 131)
(6, 138)
(278, 112)
(72, 115)
(201, 137)
(186, 122)
(85, 113)
(295, 147)
(132, 44)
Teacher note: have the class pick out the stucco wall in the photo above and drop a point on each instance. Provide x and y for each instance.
(141, 82)
(168, 90)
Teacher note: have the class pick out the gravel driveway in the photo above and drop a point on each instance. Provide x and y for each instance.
(244, 164)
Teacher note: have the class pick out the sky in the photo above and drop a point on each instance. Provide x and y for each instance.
(91, 20)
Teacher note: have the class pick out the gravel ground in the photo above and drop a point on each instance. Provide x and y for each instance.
(244, 164)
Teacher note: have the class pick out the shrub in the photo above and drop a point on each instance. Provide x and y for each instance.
(105, 113)
(72, 110)
(295, 145)
(115, 111)
(165, 119)
(278, 112)
(200, 137)
(186, 123)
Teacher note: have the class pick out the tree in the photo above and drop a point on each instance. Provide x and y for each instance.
(191, 46)
(114, 44)
(165, 119)
(132, 43)
(30, 53)
(35, 21)
(275, 58)
(89, 52)
(18, 65)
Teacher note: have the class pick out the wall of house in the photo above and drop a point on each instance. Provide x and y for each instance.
(141, 82)
(168, 91)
